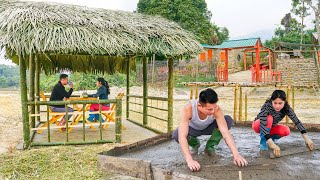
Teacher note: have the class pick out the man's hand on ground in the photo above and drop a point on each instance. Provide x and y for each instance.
(193, 165)
(240, 161)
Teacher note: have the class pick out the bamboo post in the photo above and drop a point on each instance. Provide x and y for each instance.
(67, 122)
(128, 88)
(240, 104)
(31, 88)
(118, 121)
(145, 92)
(235, 103)
(292, 97)
(37, 85)
(197, 92)
(170, 96)
(246, 107)
(191, 92)
(49, 140)
(24, 99)
(288, 100)
(83, 122)
(100, 120)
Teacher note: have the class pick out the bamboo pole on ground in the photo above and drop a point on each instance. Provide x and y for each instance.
(24, 99)
(32, 87)
(118, 125)
(170, 96)
(145, 91)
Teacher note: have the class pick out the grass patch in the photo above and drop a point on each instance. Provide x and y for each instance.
(60, 162)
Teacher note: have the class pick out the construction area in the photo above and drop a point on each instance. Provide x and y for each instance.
(140, 121)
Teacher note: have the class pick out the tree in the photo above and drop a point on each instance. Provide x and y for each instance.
(289, 31)
(192, 15)
(315, 6)
(299, 9)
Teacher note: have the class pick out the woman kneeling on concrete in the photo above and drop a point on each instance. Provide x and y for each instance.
(266, 123)
(205, 117)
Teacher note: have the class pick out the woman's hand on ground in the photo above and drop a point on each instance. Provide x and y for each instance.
(240, 161)
(274, 147)
(193, 165)
(308, 141)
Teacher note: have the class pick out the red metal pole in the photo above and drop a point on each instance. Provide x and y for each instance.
(258, 61)
(245, 60)
(226, 65)
(269, 57)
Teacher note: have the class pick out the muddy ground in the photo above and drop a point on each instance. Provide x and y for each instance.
(298, 166)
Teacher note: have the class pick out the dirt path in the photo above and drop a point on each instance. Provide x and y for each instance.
(10, 120)
(240, 77)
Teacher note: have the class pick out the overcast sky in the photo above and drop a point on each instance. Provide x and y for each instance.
(243, 18)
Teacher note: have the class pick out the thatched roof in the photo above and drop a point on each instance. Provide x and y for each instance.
(49, 29)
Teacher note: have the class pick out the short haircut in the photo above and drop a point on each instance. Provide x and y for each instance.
(208, 96)
(63, 76)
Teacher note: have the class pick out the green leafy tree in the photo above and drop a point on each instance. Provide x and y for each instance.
(299, 8)
(289, 31)
(9, 76)
(192, 15)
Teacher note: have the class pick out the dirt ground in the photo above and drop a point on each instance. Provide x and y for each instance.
(306, 107)
(298, 166)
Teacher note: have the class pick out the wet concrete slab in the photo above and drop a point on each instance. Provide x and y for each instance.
(167, 156)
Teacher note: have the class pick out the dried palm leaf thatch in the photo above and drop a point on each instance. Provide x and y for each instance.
(78, 38)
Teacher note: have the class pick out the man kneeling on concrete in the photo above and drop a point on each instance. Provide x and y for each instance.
(205, 117)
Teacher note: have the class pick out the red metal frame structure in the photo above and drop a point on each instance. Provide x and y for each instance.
(252, 45)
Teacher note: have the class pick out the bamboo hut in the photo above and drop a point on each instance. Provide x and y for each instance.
(50, 37)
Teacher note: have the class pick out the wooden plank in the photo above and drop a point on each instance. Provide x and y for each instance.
(293, 151)
(218, 167)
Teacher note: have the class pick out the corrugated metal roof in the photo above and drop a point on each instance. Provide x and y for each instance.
(207, 46)
(250, 42)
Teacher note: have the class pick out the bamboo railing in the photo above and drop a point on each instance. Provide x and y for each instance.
(37, 104)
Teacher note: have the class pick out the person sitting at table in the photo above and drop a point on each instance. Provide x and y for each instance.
(59, 93)
(102, 93)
